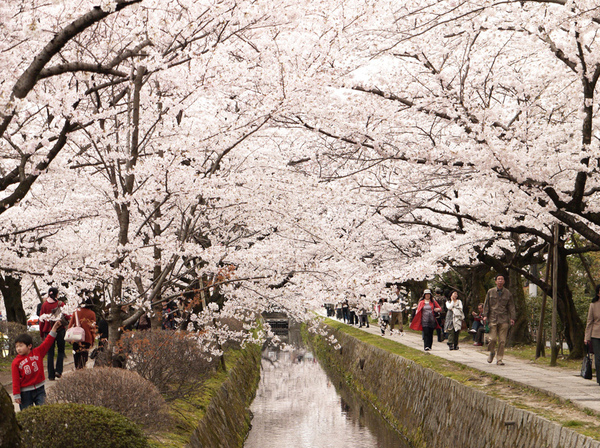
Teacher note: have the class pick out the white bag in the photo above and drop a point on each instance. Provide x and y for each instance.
(75, 334)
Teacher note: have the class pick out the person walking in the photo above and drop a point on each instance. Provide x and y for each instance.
(440, 316)
(363, 311)
(346, 311)
(384, 315)
(87, 320)
(499, 313)
(50, 309)
(396, 313)
(592, 329)
(454, 306)
(424, 319)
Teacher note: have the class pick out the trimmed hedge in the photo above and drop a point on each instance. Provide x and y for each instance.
(121, 390)
(78, 426)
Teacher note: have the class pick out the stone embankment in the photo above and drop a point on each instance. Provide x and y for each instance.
(227, 420)
(437, 412)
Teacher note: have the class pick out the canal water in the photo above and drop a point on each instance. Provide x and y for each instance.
(297, 405)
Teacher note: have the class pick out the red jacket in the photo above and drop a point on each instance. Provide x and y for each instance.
(415, 324)
(28, 371)
(87, 321)
(47, 308)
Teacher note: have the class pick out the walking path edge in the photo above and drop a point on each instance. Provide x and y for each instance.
(562, 383)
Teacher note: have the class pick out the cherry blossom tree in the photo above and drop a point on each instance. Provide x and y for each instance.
(500, 96)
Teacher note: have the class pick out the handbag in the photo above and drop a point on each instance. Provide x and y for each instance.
(75, 334)
(448, 323)
(586, 365)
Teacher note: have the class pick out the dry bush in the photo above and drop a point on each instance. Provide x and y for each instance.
(172, 360)
(120, 390)
(12, 330)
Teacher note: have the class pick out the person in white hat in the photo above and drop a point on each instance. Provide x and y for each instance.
(424, 319)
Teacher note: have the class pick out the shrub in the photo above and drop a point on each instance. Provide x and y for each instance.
(78, 426)
(120, 390)
(171, 360)
(12, 330)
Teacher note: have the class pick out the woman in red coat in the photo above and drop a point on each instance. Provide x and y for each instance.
(424, 319)
(87, 320)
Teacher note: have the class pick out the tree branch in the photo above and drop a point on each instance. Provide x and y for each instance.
(25, 185)
(30, 76)
(71, 67)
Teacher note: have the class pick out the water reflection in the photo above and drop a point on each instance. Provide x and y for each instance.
(297, 405)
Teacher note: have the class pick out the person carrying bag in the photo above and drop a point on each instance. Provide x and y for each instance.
(592, 334)
(83, 321)
(76, 333)
(586, 365)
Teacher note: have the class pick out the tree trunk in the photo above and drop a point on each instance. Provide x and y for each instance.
(573, 326)
(519, 333)
(11, 292)
(114, 323)
(474, 287)
(10, 432)
(156, 319)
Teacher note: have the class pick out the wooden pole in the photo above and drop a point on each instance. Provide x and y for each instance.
(554, 351)
(37, 290)
(540, 347)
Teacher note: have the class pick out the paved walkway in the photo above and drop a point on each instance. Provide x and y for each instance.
(564, 383)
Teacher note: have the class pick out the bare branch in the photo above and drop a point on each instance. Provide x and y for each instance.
(72, 67)
(31, 75)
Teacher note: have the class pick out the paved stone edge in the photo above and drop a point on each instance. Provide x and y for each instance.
(439, 411)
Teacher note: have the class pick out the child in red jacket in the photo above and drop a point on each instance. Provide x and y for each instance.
(28, 369)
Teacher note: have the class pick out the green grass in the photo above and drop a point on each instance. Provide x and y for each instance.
(528, 352)
(522, 397)
(5, 364)
(447, 368)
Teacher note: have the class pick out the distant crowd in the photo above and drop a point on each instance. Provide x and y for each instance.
(438, 314)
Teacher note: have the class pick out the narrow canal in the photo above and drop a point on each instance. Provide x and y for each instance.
(298, 405)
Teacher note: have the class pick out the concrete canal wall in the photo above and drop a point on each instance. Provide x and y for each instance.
(227, 419)
(437, 412)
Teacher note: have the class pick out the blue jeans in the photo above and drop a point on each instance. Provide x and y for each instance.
(59, 342)
(346, 314)
(33, 397)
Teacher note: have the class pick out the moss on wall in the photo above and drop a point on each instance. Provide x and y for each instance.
(226, 421)
(432, 410)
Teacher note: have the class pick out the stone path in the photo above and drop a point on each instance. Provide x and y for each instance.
(564, 383)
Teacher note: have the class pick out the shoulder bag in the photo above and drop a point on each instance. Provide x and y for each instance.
(586, 365)
(75, 334)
